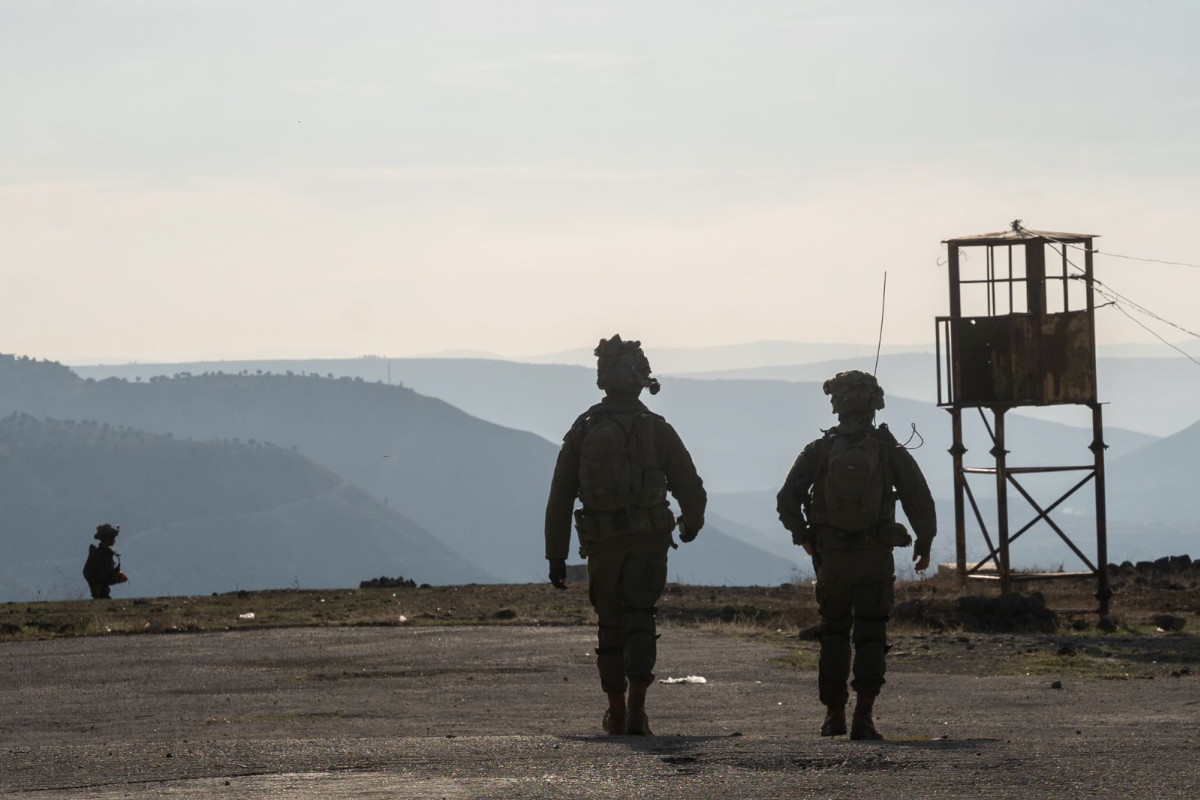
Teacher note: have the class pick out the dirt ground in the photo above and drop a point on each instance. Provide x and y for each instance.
(513, 710)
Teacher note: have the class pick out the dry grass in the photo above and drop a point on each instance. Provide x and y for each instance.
(776, 615)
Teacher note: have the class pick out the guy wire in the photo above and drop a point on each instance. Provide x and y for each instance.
(882, 311)
(1115, 298)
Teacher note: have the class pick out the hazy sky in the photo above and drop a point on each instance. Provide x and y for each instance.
(183, 180)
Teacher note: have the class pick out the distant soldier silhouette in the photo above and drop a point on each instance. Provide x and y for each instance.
(620, 460)
(103, 566)
(839, 502)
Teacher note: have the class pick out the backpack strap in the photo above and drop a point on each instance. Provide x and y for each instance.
(644, 427)
(886, 442)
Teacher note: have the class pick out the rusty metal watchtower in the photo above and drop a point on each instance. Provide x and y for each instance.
(1021, 332)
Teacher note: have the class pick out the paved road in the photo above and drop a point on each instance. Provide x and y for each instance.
(515, 712)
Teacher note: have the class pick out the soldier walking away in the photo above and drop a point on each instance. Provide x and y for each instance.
(620, 460)
(103, 566)
(839, 502)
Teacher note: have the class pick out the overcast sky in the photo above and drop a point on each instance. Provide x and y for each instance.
(184, 180)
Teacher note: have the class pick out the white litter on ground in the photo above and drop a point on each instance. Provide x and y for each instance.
(688, 679)
(247, 615)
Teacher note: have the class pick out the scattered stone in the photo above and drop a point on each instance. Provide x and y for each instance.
(1107, 624)
(505, 613)
(1067, 650)
(1169, 622)
(1080, 625)
(1057, 685)
(971, 605)
(1008, 612)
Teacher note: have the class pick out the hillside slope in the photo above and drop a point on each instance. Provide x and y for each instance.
(195, 517)
(743, 433)
(478, 487)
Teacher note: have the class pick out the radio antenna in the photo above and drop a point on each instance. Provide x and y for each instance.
(882, 310)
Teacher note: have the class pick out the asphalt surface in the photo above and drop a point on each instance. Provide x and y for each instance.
(515, 712)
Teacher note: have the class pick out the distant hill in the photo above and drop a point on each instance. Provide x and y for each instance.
(1151, 395)
(767, 354)
(750, 355)
(195, 517)
(722, 555)
(1161, 479)
(744, 433)
(478, 487)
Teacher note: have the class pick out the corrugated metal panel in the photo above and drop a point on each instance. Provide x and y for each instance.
(1022, 359)
(1068, 372)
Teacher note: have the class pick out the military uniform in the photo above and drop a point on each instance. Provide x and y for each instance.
(102, 568)
(855, 569)
(627, 570)
(626, 548)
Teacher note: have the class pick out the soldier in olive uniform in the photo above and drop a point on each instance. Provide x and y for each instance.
(839, 502)
(103, 566)
(620, 460)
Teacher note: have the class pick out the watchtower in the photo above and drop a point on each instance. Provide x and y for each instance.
(1021, 332)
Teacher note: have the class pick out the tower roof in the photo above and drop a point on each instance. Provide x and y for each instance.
(1018, 235)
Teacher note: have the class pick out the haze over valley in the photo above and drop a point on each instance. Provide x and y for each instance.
(311, 473)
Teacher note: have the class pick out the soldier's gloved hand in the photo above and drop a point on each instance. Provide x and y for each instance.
(922, 562)
(558, 573)
(687, 533)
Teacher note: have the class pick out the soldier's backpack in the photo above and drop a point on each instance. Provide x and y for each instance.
(93, 566)
(854, 486)
(618, 466)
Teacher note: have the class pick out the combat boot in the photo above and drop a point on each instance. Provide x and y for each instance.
(835, 721)
(862, 726)
(636, 722)
(614, 715)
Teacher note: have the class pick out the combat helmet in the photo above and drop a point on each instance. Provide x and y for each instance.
(854, 392)
(106, 531)
(622, 367)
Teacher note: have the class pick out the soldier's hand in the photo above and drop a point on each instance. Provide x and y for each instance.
(922, 562)
(558, 573)
(121, 578)
(686, 532)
